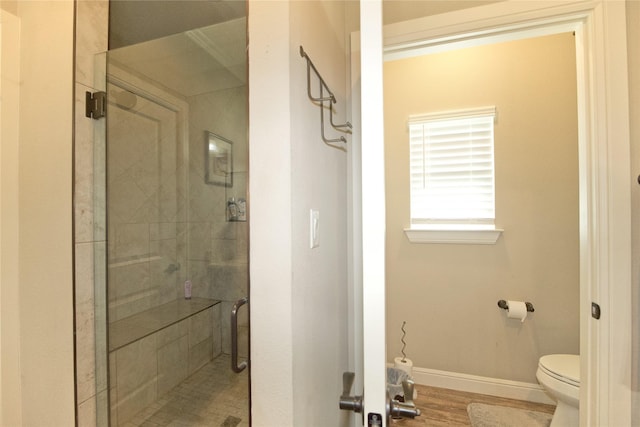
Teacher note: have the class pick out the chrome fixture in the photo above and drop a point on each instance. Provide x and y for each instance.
(234, 337)
(95, 105)
(395, 408)
(348, 402)
(406, 409)
(172, 268)
(505, 306)
(346, 127)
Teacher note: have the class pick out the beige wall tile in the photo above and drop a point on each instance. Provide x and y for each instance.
(136, 366)
(85, 329)
(92, 20)
(200, 327)
(83, 178)
(200, 354)
(136, 377)
(173, 333)
(173, 364)
(229, 282)
(216, 333)
(87, 413)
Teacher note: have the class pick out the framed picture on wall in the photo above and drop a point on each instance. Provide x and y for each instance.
(218, 160)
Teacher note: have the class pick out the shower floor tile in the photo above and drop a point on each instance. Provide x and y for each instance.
(213, 396)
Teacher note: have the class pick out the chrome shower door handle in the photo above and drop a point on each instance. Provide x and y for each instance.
(234, 337)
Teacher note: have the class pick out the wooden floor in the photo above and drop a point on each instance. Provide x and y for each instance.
(444, 407)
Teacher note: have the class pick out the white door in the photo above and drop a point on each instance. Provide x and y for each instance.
(371, 145)
(367, 171)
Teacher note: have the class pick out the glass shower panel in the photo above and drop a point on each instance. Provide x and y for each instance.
(176, 261)
(146, 227)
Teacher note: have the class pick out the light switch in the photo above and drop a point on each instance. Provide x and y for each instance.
(314, 223)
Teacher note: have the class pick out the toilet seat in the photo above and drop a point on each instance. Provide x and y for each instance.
(562, 367)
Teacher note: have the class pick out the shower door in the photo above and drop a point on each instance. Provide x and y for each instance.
(176, 250)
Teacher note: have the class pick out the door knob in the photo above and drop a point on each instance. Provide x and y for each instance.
(406, 409)
(348, 402)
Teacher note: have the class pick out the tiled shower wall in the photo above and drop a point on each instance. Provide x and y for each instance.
(147, 197)
(89, 240)
(217, 264)
(218, 248)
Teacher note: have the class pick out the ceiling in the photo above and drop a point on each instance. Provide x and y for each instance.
(190, 63)
(135, 21)
(199, 46)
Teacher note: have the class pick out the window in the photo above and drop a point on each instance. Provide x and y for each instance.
(452, 172)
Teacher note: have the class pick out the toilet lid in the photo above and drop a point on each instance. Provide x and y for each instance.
(564, 367)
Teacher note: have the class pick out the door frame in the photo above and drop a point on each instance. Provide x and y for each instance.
(368, 141)
(605, 177)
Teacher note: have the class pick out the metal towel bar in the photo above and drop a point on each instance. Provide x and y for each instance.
(234, 337)
(346, 127)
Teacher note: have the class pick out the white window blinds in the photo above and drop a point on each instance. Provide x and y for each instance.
(452, 167)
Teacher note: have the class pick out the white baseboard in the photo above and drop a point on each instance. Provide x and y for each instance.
(484, 385)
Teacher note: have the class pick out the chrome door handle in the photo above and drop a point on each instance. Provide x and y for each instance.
(234, 337)
(406, 409)
(348, 402)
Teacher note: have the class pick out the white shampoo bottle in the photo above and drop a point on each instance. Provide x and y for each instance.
(187, 289)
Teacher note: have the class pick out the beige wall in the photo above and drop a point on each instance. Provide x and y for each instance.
(10, 399)
(10, 6)
(633, 49)
(318, 181)
(448, 293)
(298, 305)
(42, 316)
(403, 10)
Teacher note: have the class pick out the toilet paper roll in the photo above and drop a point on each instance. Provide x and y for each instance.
(517, 310)
(405, 365)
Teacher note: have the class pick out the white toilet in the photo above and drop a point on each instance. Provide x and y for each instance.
(559, 374)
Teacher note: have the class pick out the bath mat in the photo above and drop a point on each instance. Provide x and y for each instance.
(231, 421)
(482, 415)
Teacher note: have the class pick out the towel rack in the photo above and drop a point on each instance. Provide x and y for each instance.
(330, 98)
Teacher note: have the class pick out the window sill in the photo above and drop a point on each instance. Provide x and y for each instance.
(459, 236)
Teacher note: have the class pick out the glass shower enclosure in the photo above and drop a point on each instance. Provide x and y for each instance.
(176, 154)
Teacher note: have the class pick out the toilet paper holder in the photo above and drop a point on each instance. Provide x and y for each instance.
(503, 305)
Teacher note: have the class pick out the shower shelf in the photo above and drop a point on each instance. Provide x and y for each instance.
(133, 328)
(320, 100)
(134, 261)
